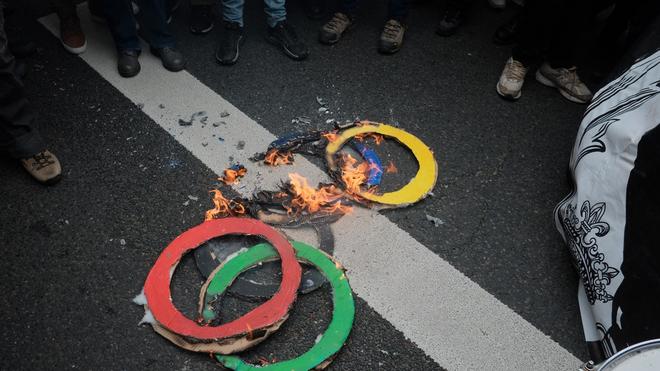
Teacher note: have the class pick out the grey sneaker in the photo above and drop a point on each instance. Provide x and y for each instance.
(391, 38)
(566, 80)
(44, 167)
(511, 80)
(331, 32)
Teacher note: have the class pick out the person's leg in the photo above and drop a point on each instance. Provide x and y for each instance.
(398, 10)
(560, 71)
(281, 33)
(342, 20)
(232, 11)
(275, 11)
(18, 135)
(65, 8)
(201, 16)
(565, 36)
(532, 34)
(202, 2)
(531, 42)
(153, 21)
(452, 17)
(391, 39)
(119, 15)
(71, 34)
(348, 7)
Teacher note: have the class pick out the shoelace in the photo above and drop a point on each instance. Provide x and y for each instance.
(569, 77)
(336, 22)
(391, 30)
(42, 160)
(516, 71)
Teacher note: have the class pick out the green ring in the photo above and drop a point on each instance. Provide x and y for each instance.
(343, 310)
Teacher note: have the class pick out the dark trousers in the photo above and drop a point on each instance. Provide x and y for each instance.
(460, 5)
(18, 135)
(397, 9)
(152, 18)
(550, 30)
(65, 9)
(202, 2)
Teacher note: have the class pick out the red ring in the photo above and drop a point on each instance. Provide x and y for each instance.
(157, 285)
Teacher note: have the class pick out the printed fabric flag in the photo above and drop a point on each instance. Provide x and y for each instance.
(611, 219)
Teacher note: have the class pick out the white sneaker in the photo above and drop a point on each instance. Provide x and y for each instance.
(566, 80)
(511, 80)
(497, 4)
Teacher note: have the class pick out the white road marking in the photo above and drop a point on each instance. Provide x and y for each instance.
(451, 318)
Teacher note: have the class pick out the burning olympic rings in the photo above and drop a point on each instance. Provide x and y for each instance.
(417, 188)
(320, 355)
(238, 334)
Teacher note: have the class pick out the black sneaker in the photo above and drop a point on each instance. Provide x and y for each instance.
(230, 43)
(450, 20)
(284, 36)
(201, 19)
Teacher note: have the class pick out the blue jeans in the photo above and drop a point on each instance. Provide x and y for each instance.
(152, 18)
(397, 9)
(232, 11)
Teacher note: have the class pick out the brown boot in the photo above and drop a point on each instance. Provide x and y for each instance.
(72, 36)
(44, 167)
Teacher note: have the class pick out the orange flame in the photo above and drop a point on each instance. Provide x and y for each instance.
(309, 199)
(276, 158)
(231, 175)
(224, 207)
(353, 176)
(331, 136)
(391, 168)
(378, 139)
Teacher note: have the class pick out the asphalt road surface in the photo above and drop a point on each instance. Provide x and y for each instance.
(76, 254)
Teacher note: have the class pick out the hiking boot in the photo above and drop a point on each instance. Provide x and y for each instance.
(512, 79)
(284, 36)
(127, 63)
(450, 20)
(171, 58)
(71, 35)
(44, 167)
(391, 38)
(201, 19)
(331, 32)
(566, 80)
(230, 43)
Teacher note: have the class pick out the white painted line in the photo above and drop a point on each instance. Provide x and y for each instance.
(451, 318)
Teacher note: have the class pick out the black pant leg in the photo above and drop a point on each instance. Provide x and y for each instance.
(532, 34)
(18, 135)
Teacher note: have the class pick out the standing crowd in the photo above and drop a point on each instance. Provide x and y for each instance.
(544, 33)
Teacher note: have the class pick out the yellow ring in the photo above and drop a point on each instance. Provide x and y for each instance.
(418, 187)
